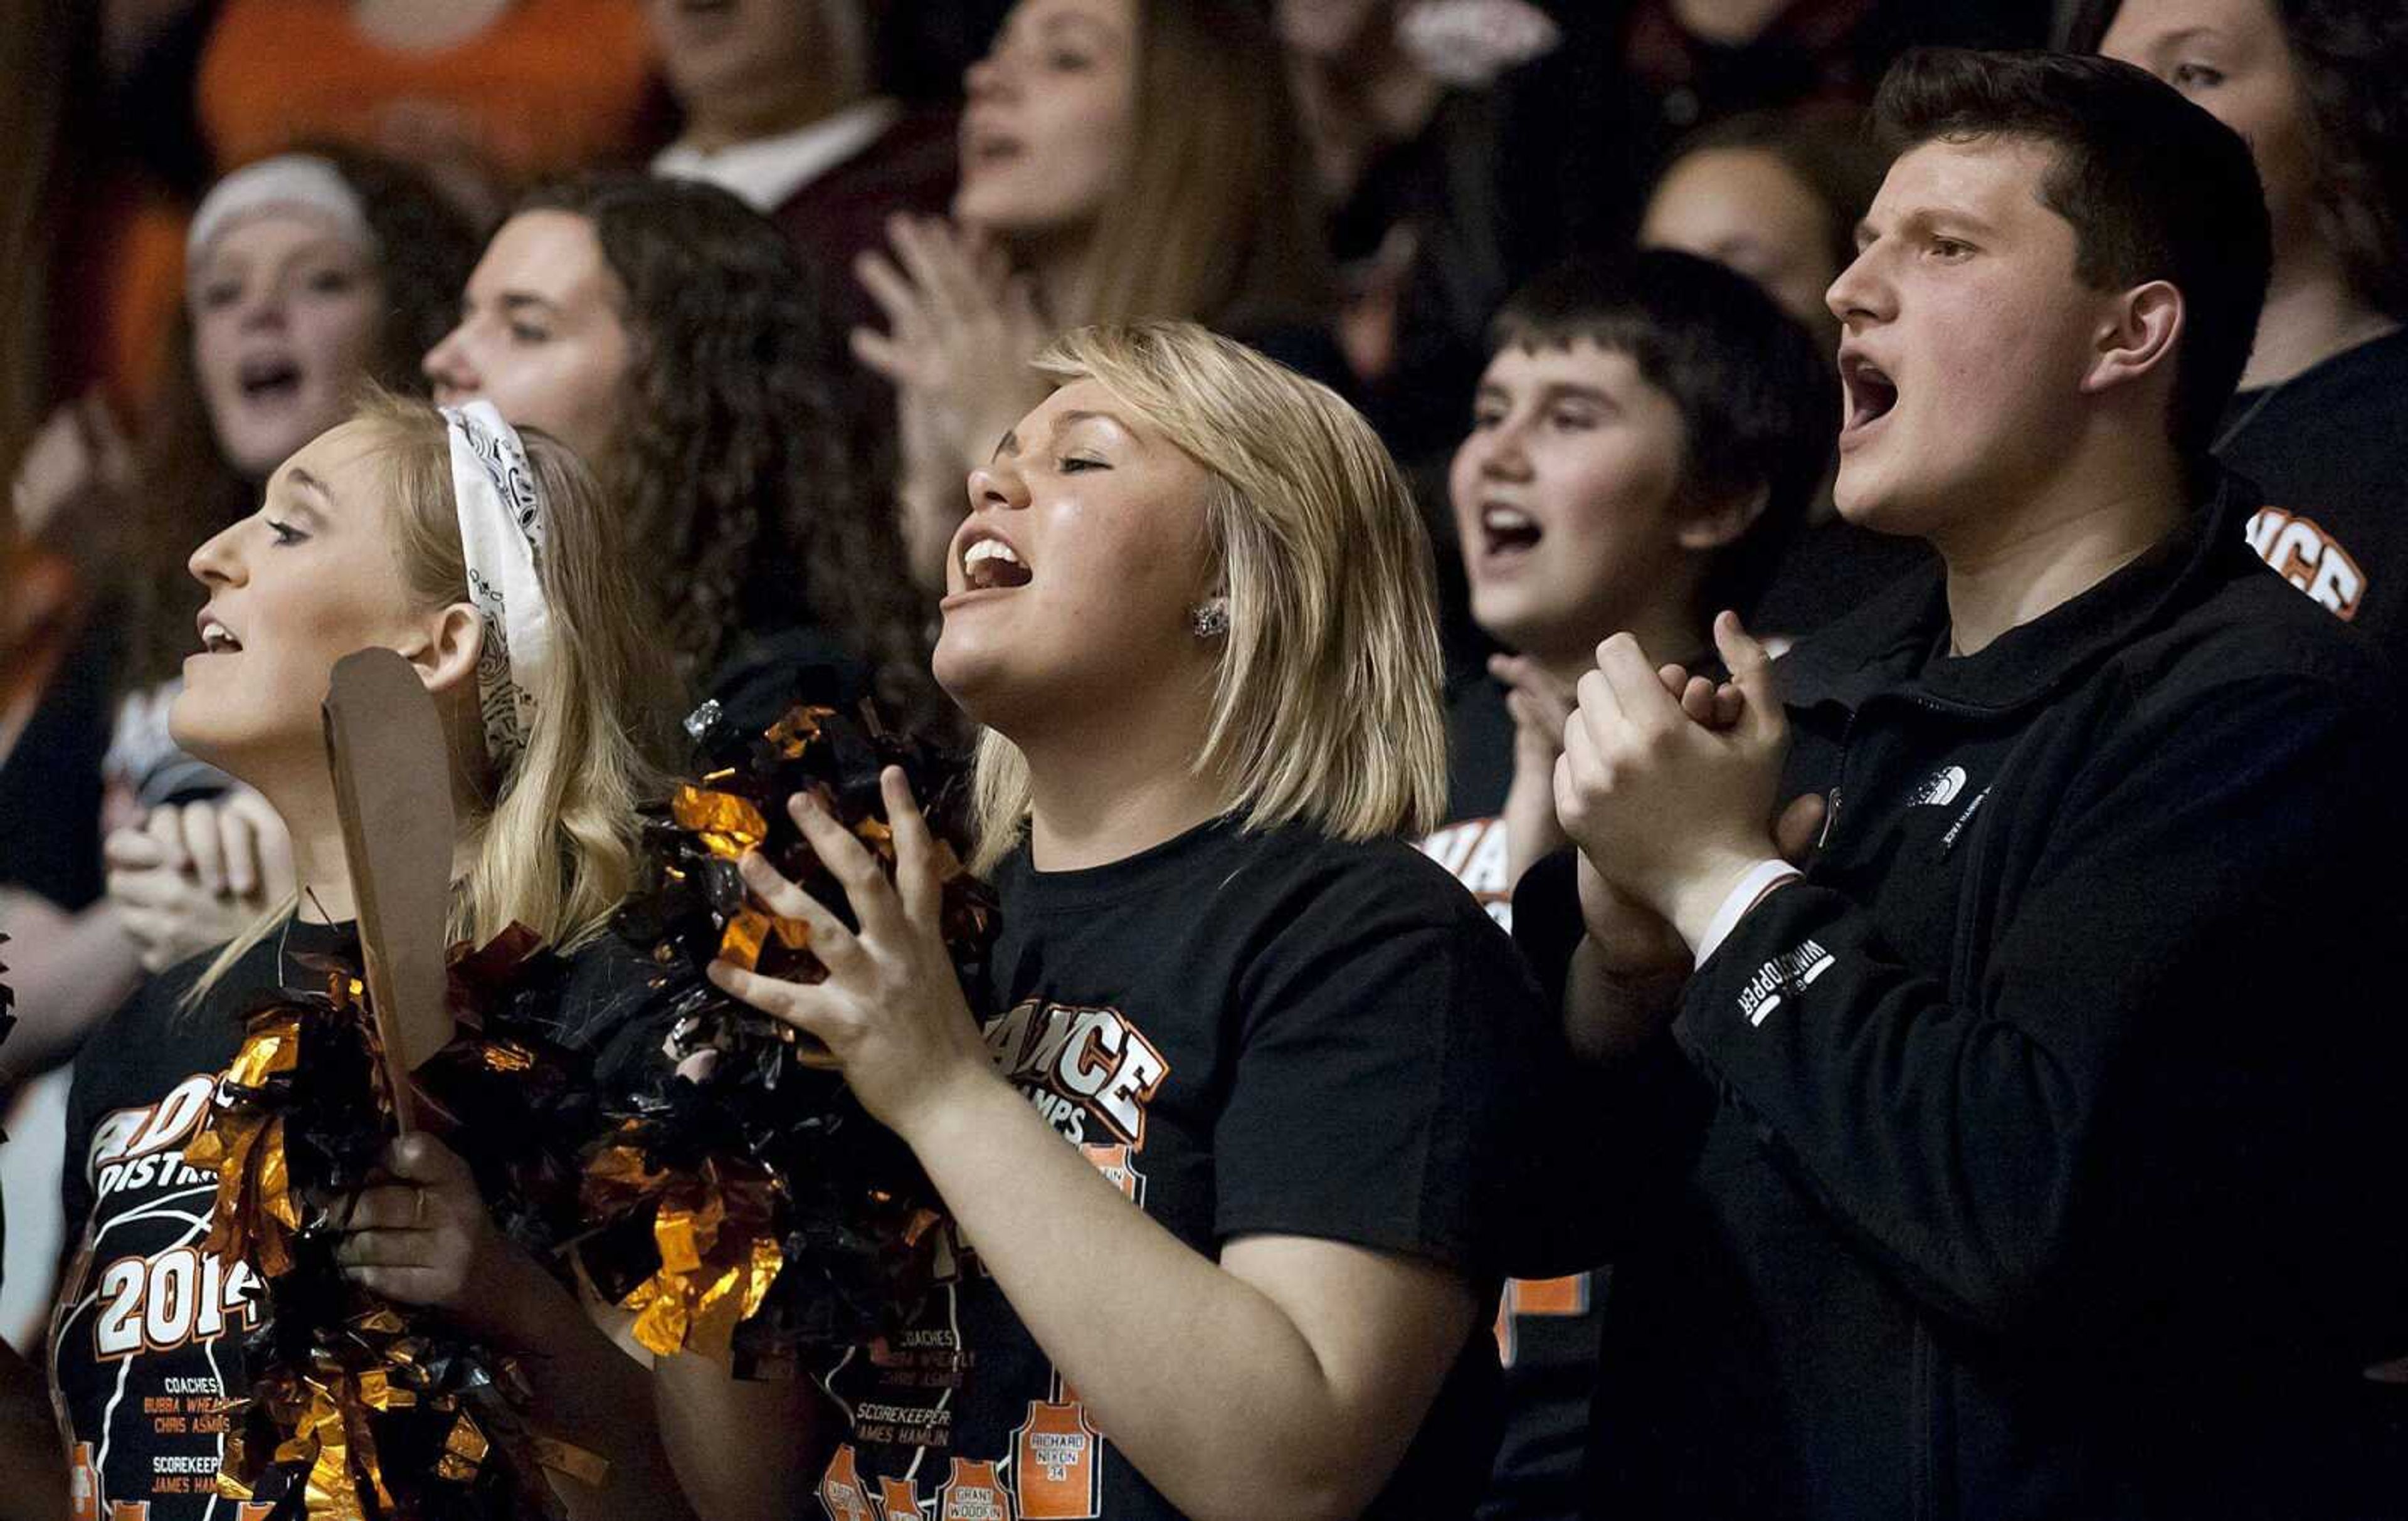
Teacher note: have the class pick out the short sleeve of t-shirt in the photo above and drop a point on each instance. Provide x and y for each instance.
(1380, 1036)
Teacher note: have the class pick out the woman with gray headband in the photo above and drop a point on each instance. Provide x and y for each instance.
(490, 562)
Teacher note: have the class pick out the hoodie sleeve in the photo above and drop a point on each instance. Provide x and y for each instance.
(1604, 1149)
(2162, 1085)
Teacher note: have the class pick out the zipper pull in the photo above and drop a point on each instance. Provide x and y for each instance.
(1830, 817)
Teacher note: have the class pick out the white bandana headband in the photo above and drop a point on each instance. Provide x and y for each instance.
(501, 533)
(291, 181)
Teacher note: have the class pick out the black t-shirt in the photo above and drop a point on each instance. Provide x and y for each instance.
(146, 1345)
(1547, 1330)
(2329, 449)
(1249, 1034)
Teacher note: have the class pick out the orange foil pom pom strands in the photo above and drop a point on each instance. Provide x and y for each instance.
(356, 1409)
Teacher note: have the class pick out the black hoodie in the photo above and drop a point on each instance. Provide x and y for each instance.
(2039, 1153)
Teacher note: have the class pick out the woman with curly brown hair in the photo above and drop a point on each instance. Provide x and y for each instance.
(667, 333)
(2321, 421)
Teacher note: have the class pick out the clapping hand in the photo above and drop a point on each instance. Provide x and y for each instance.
(890, 1010)
(190, 877)
(1667, 783)
(961, 331)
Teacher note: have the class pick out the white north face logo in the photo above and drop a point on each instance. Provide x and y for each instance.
(1944, 785)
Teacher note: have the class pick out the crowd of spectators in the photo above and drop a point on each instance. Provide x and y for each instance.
(779, 273)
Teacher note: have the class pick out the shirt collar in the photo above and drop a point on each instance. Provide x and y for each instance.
(765, 172)
(1898, 636)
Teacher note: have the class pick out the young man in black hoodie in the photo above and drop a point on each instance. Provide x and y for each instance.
(2031, 1153)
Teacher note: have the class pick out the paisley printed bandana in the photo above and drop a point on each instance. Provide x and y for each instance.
(501, 532)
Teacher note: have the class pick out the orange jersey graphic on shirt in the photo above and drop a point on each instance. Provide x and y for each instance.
(2311, 559)
(897, 1500)
(1057, 1463)
(1119, 1168)
(841, 1492)
(1549, 1298)
(974, 1493)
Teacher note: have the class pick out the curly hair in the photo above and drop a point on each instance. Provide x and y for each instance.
(745, 464)
(187, 490)
(2353, 58)
(2350, 56)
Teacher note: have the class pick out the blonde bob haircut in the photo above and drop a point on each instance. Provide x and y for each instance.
(1326, 708)
(552, 841)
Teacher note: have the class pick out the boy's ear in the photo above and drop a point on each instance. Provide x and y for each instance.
(1720, 524)
(2137, 336)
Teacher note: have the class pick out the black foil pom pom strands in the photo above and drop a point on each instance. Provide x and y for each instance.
(751, 1209)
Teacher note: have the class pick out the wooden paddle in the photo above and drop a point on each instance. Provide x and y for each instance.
(392, 786)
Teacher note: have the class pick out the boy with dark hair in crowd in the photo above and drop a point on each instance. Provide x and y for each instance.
(1645, 441)
(2025, 1155)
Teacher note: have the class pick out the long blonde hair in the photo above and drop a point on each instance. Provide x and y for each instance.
(1217, 216)
(1325, 706)
(552, 840)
